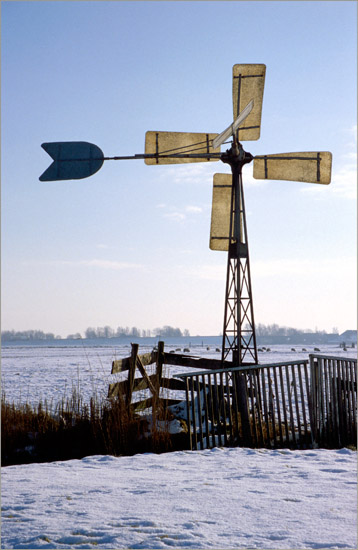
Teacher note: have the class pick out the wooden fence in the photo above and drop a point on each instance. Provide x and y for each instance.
(293, 404)
(296, 404)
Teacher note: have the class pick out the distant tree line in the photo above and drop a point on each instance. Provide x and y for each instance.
(11, 335)
(276, 330)
(108, 332)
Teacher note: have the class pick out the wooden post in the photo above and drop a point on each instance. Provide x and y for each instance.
(131, 373)
(160, 361)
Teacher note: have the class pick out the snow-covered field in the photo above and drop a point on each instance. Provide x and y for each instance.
(33, 373)
(219, 498)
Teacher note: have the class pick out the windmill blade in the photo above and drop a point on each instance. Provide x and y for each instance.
(230, 131)
(168, 146)
(220, 213)
(248, 83)
(312, 167)
(72, 160)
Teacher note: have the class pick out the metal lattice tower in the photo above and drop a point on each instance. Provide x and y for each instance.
(239, 337)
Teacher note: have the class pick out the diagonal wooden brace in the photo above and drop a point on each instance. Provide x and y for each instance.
(146, 377)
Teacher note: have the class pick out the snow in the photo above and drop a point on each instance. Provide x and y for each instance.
(219, 498)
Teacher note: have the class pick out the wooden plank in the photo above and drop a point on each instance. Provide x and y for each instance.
(141, 405)
(348, 400)
(342, 396)
(284, 405)
(192, 361)
(258, 394)
(217, 408)
(309, 399)
(131, 372)
(188, 413)
(206, 409)
(211, 410)
(143, 372)
(200, 419)
(223, 407)
(340, 407)
(296, 403)
(160, 360)
(303, 402)
(278, 406)
(195, 435)
(235, 407)
(267, 420)
(353, 394)
(172, 384)
(332, 424)
(335, 403)
(120, 365)
(138, 406)
(272, 407)
(228, 393)
(292, 421)
(242, 400)
(327, 400)
(252, 400)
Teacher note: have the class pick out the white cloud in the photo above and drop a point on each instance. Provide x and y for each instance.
(175, 216)
(193, 209)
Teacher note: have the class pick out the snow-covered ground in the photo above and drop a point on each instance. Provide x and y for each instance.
(33, 373)
(219, 498)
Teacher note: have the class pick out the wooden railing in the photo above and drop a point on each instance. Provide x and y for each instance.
(294, 404)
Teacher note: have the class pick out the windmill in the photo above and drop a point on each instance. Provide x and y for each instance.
(76, 160)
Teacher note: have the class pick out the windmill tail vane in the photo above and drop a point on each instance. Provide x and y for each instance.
(79, 159)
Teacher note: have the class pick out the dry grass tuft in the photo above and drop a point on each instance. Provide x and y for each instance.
(74, 429)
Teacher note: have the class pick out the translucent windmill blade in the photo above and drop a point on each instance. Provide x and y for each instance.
(220, 213)
(165, 145)
(230, 131)
(248, 83)
(72, 160)
(308, 167)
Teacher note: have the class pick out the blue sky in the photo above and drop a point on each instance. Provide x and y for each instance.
(130, 245)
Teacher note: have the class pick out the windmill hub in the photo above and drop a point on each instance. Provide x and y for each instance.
(236, 156)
